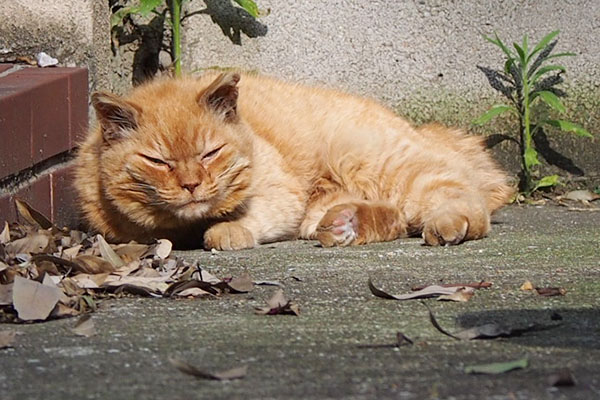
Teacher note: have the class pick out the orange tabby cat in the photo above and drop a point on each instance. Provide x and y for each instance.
(231, 161)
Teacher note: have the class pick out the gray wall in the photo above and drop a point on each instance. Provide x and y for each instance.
(418, 56)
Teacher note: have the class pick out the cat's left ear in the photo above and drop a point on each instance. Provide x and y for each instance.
(116, 116)
(221, 96)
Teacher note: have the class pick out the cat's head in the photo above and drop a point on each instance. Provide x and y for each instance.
(175, 151)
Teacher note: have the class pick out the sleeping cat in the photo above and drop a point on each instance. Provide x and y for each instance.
(234, 160)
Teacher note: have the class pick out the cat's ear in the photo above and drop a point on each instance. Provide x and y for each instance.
(221, 96)
(116, 116)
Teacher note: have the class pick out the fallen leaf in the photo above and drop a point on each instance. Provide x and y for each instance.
(32, 300)
(429, 291)
(93, 264)
(84, 326)
(63, 311)
(71, 252)
(6, 294)
(268, 283)
(32, 216)
(487, 331)
(562, 377)
(278, 304)
(5, 234)
(193, 292)
(7, 339)
(231, 374)
(497, 368)
(163, 248)
(34, 243)
(108, 253)
(463, 294)
(131, 251)
(182, 286)
(241, 284)
(580, 195)
(478, 285)
(152, 285)
(551, 291)
(527, 286)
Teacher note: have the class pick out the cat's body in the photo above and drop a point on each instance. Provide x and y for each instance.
(191, 160)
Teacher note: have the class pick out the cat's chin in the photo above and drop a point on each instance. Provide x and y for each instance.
(193, 211)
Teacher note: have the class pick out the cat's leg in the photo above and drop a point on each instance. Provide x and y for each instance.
(228, 236)
(454, 215)
(340, 219)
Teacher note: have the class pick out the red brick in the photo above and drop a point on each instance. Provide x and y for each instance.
(63, 198)
(15, 130)
(37, 195)
(78, 101)
(5, 67)
(7, 212)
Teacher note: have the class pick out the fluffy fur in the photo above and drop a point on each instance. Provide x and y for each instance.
(231, 161)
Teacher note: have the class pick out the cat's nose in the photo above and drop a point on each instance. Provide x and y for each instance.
(190, 187)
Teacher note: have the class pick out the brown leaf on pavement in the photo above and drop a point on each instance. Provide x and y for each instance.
(32, 216)
(463, 294)
(477, 285)
(5, 234)
(278, 304)
(551, 291)
(32, 300)
(429, 291)
(84, 326)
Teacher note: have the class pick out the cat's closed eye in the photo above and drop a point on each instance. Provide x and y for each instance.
(212, 154)
(156, 161)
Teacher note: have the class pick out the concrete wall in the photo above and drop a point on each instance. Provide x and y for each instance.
(418, 56)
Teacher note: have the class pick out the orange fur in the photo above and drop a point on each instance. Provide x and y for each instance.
(232, 161)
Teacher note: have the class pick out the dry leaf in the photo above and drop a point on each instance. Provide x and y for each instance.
(580, 195)
(186, 368)
(193, 292)
(71, 252)
(463, 294)
(163, 248)
(131, 251)
(93, 264)
(6, 294)
(527, 286)
(278, 304)
(108, 253)
(5, 234)
(7, 339)
(32, 300)
(429, 291)
(34, 243)
(496, 368)
(487, 331)
(153, 285)
(241, 284)
(62, 311)
(84, 326)
(478, 285)
(32, 216)
(551, 291)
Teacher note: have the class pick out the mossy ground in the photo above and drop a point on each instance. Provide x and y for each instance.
(315, 355)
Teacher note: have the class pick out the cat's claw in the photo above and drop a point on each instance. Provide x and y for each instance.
(339, 227)
(228, 236)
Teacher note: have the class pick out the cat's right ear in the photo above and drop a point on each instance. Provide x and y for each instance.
(116, 116)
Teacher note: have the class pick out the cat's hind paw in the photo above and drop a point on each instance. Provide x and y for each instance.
(228, 236)
(339, 226)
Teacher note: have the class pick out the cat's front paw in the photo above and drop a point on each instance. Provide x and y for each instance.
(339, 226)
(452, 225)
(228, 236)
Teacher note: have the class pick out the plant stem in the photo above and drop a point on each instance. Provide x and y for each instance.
(176, 24)
(526, 129)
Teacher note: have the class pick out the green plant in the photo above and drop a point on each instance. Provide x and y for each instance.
(526, 80)
(175, 7)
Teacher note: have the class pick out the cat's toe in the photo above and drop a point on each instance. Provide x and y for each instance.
(445, 230)
(228, 236)
(338, 227)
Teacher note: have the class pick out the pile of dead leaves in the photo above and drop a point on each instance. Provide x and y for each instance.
(47, 272)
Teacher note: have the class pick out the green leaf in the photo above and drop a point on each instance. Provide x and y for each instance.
(147, 6)
(250, 7)
(521, 53)
(547, 181)
(552, 100)
(557, 55)
(542, 44)
(502, 46)
(544, 70)
(496, 368)
(491, 113)
(144, 8)
(531, 157)
(568, 126)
